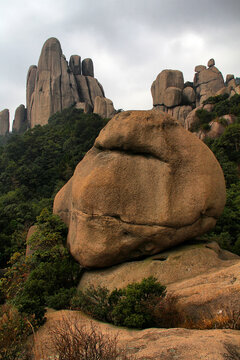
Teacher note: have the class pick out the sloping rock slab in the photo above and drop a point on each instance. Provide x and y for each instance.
(154, 344)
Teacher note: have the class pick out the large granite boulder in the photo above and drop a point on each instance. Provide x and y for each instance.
(207, 82)
(31, 79)
(20, 119)
(4, 122)
(146, 185)
(164, 80)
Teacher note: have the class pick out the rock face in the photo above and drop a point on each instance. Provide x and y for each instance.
(103, 107)
(4, 122)
(146, 185)
(151, 344)
(173, 96)
(20, 120)
(165, 80)
(200, 275)
(207, 82)
(54, 85)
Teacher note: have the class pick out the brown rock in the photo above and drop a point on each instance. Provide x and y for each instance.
(87, 67)
(188, 95)
(31, 79)
(207, 82)
(75, 64)
(104, 107)
(20, 119)
(146, 185)
(172, 96)
(211, 62)
(199, 68)
(216, 130)
(229, 77)
(4, 122)
(31, 231)
(55, 87)
(169, 267)
(208, 107)
(191, 118)
(181, 112)
(167, 78)
(95, 88)
(151, 344)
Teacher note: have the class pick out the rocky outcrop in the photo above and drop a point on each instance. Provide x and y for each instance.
(54, 85)
(31, 79)
(151, 344)
(20, 123)
(104, 107)
(201, 276)
(207, 82)
(173, 96)
(146, 185)
(165, 80)
(4, 122)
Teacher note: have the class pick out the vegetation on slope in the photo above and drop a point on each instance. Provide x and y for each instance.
(34, 166)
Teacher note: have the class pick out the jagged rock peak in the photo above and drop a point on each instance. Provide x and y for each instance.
(4, 122)
(20, 119)
(55, 85)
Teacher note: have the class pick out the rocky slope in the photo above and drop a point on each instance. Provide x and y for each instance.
(152, 344)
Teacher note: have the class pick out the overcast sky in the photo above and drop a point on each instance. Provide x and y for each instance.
(130, 41)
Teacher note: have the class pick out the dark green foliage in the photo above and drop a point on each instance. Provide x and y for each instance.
(216, 99)
(34, 166)
(94, 302)
(204, 117)
(226, 149)
(131, 306)
(52, 272)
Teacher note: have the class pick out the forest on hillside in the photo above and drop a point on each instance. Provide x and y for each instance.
(33, 168)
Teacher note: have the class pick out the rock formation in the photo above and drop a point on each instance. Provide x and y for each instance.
(54, 85)
(104, 107)
(146, 185)
(201, 268)
(170, 93)
(20, 123)
(4, 122)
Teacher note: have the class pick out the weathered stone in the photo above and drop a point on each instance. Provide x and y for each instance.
(191, 118)
(207, 82)
(75, 64)
(188, 95)
(188, 84)
(181, 112)
(229, 77)
(217, 129)
(150, 344)
(166, 79)
(146, 185)
(85, 106)
(104, 107)
(231, 84)
(95, 89)
(208, 107)
(172, 96)
(20, 120)
(55, 87)
(199, 68)
(29, 249)
(224, 90)
(31, 79)
(87, 67)
(4, 122)
(211, 62)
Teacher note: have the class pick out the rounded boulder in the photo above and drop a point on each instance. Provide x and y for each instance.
(146, 185)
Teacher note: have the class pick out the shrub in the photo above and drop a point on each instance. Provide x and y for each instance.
(130, 306)
(61, 299)
(204, 118)
(70, 340)
(14, 331)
